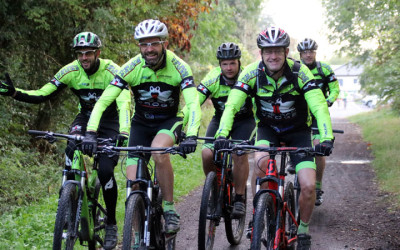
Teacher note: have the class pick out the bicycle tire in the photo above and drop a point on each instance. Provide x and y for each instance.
(99, 218)
(157, 236)
(64, 235)
(234, 228)
(297, 197)
(207, 225)
(133, 233)
(290, 226)
(264, 223)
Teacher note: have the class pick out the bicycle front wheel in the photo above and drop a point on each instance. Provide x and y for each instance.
(207, 221)
(99, 218)
(290, 226)
(234, 227)
(263, 223)
(133, 234)
(65, 234)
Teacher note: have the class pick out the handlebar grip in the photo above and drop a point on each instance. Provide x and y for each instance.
(37, 132)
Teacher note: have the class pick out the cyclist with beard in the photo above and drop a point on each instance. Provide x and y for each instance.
(87, 77)
(156, 77)
(216, 85)
(327, 82)
(284, 93)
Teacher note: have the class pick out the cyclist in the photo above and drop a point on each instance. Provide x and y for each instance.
(217, 84)
(156, 77)
(327, 82)
(284, 92)
(87, 78)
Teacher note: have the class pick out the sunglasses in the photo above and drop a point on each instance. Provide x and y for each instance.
(87, 53)
(153, 44)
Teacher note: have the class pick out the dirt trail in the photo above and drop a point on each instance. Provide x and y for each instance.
(354, 215)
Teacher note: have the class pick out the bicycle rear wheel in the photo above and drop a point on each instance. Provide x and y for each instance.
(264, 223)
(207, 222)
(234, 227)
(99, 218)
(133, 234)
(65, 234)
(290, 226)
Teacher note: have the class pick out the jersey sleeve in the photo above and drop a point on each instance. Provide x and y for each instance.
(43, 94)
(333, 85)
(193, 112)
(124, 105)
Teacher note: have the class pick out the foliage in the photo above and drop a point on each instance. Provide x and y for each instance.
(370, 31)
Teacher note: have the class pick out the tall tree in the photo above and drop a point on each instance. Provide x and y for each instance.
(369, 30)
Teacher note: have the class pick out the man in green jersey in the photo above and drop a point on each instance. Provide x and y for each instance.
(217, 84)
(87, 77)
(284, 92)
(327, 82)
(156, 77)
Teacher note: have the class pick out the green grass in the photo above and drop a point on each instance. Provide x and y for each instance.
(381, 129)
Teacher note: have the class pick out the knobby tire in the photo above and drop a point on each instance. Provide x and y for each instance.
(99, 218)
(234, 228)
(207, 226)
(264, 223)
(133, 237)
(64, 235)
(290, 226)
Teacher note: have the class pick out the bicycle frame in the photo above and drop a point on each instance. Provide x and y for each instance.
(276, 182)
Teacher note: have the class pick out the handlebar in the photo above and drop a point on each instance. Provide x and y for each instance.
(273, 150)
(336, 131)
(52, 137)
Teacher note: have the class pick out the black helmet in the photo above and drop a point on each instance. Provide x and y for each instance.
(86, 39)
(228, 51)
(307, 44)
(273, 37)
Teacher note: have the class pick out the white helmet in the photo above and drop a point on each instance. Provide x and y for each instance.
(151, 28)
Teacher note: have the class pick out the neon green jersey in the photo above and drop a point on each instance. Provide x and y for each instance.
(87, 88)
(156, 93)
(326, 80)
(284, 105)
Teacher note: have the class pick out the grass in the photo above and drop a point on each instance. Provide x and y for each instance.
(31, 225)
(381, 129)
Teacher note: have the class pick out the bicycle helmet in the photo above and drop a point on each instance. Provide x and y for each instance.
(273, 37)
(86, 39)
(228, 51)
(151, 28)
(307, 44)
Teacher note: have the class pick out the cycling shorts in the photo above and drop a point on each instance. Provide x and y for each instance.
(143, 135)
(243, 129)
(302, 138)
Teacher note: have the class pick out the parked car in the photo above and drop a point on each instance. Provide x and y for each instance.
(370, 100)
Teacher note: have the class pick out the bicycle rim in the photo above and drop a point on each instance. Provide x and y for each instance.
(157, 230)
(65, 235)
(207, 222)
(264, 223)
(134, 223)
(234, 227)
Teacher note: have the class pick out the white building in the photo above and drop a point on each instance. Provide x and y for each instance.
(348, 76)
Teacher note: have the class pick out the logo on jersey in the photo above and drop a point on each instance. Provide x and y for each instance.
(202, 89)
(186, 83)
(242, 85)
(117, 82)
(154, 97)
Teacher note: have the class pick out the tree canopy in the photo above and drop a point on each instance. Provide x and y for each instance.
(369, 31)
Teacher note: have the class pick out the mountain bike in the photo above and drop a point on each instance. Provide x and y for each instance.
(217, 202)
(81, 212)
(144, 223)
(274, 225)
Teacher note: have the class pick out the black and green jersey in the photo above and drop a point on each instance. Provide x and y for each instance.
(326, 80)
(87, 88)
(214, 86)
(284, 104)
(156, 93)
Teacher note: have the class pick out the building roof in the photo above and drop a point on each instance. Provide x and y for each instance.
(348, 69)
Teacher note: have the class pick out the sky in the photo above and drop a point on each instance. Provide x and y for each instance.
(301, 19)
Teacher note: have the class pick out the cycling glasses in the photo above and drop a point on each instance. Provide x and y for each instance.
(87, 53)
(152, 44)
(308, 52)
